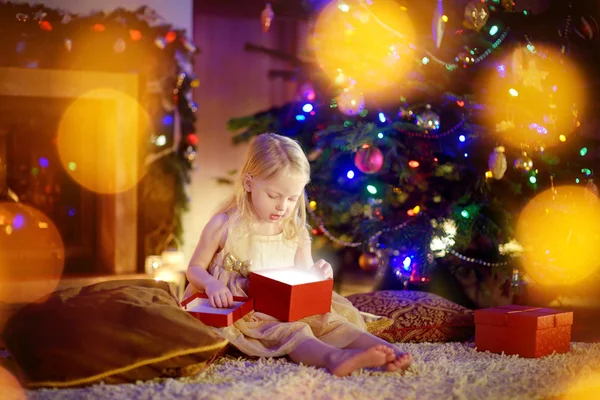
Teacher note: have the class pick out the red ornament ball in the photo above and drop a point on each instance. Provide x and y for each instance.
(192, 139)
(368, 261)
(368, 159)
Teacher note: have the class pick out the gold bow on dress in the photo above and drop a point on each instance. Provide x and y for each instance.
(233, 264)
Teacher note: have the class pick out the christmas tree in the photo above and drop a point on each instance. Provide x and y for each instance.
(427, 139)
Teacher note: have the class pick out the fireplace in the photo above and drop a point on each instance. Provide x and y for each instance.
(99, 231)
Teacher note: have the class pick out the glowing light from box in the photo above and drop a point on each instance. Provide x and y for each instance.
(292, 276)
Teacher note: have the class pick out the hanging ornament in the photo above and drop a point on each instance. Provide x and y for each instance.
(119, 46)
(439, 24)
(524, 163)
(21, 17)
(39, 15)
(307, 92)
(190, 154)
(192, 139)
(586, 28)
(351, 102)
(368, 261)
(45, 26)
(405, 113)
(66, 19)
(497, 163)
(266, 17)
(465, 58)
(591, 193)
(428, 119)
(507, 5)
(160, 42)
(476, 15)
(189, 46)
(368, 159)
(171, 36)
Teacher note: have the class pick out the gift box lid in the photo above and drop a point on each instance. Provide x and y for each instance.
(199, 306)
(515, 316)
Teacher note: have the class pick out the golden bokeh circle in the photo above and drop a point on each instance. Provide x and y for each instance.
(101, 140)
(559, 230)
(367, 45)
(536, 96)
(10, 388)
(32, 254)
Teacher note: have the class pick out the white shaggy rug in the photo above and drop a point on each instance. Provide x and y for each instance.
(440, 371)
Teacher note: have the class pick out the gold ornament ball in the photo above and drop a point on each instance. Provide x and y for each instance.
(368, 261)
(524, 163)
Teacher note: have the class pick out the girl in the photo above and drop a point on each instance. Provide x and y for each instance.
(261, 227)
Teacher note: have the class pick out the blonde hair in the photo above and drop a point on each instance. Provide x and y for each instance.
(269, 155)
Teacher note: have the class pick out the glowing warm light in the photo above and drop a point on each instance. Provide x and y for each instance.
(413, 164)
(292, 276)
(537, 94)
(312, 205)
(562, 138)
(444, 18)
(31, 254)
(166, 275)
(10, 387)
(586, 387)
(135, 35)
(103, 133)
(567, 253)
(368, 46)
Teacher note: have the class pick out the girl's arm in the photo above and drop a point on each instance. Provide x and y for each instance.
(197, 271)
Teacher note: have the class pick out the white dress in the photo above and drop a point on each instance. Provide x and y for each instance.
(258, 334)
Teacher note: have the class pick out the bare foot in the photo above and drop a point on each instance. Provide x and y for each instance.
(346, 361)
(401, 361)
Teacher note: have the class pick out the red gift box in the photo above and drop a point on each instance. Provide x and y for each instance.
(526, 331)
(199, 306)
(290, 294)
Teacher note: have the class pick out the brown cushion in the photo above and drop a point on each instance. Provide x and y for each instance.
(116, 332)
(416, 316)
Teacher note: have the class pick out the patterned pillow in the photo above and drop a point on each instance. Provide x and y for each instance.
(115, 332)
(416, 316)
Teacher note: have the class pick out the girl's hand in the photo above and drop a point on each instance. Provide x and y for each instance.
(325, 268)
(219, 295)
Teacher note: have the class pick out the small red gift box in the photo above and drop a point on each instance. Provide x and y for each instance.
(526, 331)
(290, 294)
(199, 306)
